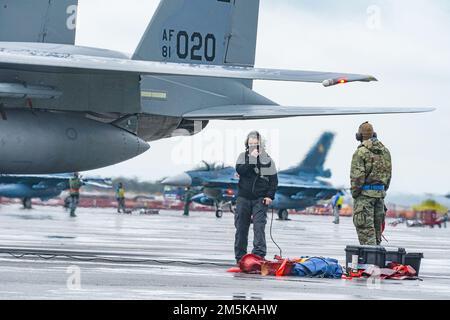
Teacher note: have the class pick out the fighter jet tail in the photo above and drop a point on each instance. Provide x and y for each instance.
(313, 163)
(48, 21)
(215, 41)
(213, 32)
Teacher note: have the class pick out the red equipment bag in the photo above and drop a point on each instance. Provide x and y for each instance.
(251, 263)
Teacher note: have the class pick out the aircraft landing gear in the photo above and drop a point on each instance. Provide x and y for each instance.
(232, 208)
(220, 205)
(219, 210)
(67, 203)
(219, 213)
(283, 214)
(26, 202)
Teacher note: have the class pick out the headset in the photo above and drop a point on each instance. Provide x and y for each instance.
(359, 136)
(257, 135)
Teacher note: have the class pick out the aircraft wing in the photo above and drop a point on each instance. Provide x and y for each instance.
(255, 112)
(45, 61)
(304, 190)
(292, 190)
(61, 180)
(281, 185)
(220, 183)
(98, 182)
(306, 186)
(31, 179)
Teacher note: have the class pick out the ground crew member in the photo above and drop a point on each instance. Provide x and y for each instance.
(445, 219)
(370, 176)
(120, 196)
(338, 201)
(75, 186)
(187, 201)
(258, 182)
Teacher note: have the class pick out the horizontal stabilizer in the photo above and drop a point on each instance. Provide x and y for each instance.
(30, 59)
(255, 112)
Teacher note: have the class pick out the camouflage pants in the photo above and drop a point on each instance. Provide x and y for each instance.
(74, 199)
(368, 218)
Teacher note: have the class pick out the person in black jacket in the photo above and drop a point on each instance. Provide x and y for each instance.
(258, 182)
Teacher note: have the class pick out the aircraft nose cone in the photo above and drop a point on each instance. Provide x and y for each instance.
(181, 180)
(142, 146)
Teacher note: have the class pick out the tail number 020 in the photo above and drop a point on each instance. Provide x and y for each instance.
(195, 47)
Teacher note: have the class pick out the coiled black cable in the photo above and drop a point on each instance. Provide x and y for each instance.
(111, 260)
(271, 237)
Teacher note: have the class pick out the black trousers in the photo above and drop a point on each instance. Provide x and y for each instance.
(245, 209)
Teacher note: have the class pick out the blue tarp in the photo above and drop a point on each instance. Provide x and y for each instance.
(318, 268)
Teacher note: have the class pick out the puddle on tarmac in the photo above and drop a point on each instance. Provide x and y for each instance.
(247, 296)
(32, 217)
(60, 237)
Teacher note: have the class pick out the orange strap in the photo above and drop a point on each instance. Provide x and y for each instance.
(281, 269)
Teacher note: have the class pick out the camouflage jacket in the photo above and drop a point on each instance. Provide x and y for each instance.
(371, 165)
(75, 184)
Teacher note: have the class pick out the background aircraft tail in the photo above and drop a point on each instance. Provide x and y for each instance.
(313, 164)
(50, 21)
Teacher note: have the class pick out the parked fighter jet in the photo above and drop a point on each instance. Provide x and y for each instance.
(68, 108)
(299, 187)
(44, 187)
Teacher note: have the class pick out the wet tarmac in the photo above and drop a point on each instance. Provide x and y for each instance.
(135, 253)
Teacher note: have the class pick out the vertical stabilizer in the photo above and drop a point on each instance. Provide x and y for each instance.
(313, 163)
(49, 21)
(219, 32)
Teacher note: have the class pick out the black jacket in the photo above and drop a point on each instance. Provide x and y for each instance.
(258, 177)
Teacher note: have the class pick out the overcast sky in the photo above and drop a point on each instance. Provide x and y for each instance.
(403, 43)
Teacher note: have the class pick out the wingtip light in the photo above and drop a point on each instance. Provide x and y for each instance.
(333, 82)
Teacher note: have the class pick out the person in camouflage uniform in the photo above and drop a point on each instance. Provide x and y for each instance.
(120, 196)
(187, 201)
(75, 185)
(370, 176)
